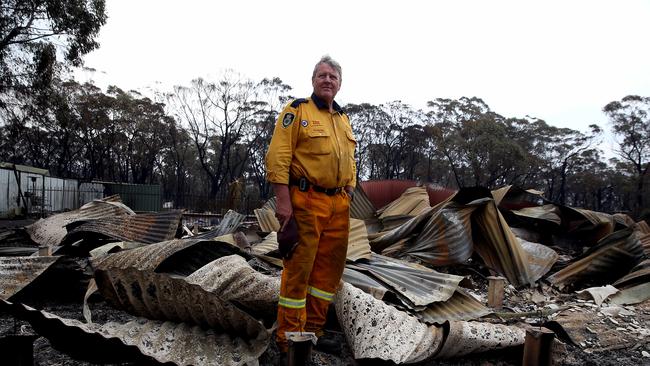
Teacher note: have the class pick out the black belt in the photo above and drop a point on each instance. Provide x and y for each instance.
(303, 185)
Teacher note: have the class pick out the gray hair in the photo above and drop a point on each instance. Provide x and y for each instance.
(331, 62)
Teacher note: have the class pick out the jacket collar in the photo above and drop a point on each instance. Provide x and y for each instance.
(321, 104)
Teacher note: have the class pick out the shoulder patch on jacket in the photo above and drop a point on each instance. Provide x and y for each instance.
(298, 102)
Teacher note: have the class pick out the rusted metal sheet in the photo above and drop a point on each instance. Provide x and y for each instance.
(540, 258)
(144, 228)
(447, 236)
(460, 306)
(164, 297)
(588, 226)
(610, 259)
(364, 282)
(51, 231)
(114, 247)
(267, 220)
(643, 227)
(179, 256)
(411, 203)
(382, 192)
(474, 337)
(418, 284)
(515, 198)
(228, 225)
(18, 272)
(382, 240)
(361, 208)
(142, 341)
(374, 329)
(638, 275)
(269, 244)
(358, 244)
(550, 213)
(16, 242)
(232, 279)
(499, 247)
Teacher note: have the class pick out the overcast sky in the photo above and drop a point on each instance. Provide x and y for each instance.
(560, 61)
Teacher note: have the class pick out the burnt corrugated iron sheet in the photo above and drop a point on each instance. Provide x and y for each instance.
(516, 198)
(420, 285)
(361, 208)
(411, 227)
(499, 247)
(446, 238)
(269, 244)
(382, 192)
(610, 259)
(412, 202)
(143, 228)
(550, 213)
(638, 275)
(461, 306)
(182, 256)
(267, 220)
(358, 244)
(163, 297)
(51, 231)
(540, 258)
(16, 242)
(233, 279)
(18, 272)
(473, 337)
(374, 329)
(141, 341)
(643, 227)
(228, 225)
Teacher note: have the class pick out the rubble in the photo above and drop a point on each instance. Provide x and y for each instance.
(414, 288)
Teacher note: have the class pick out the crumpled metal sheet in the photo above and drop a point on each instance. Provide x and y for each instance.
(474, 337)
(499, 247)
(18, 272)
(411, 203)
(589, 226)
(51, 231)
(228, 225)
(361, 208)
(550, 213)
(540, 258)
(374, 329)
(233, 279)
(142, 340)
(643, 227)
(164, 297)
(610, 259)
(515, 198)
(420, 285)
(446, 238)
(358, 244)
(16, 242)
(114, 247)
(382, 240)
(267, 245)
(632, 295)
(180, 256)
(461, 306)
(267, 220)
(144, 228)
(638, 275)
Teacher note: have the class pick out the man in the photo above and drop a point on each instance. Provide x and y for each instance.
(311, 166)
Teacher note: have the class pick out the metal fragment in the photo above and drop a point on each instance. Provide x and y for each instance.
(18, 272)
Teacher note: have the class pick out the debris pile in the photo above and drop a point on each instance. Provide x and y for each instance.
(417, 286)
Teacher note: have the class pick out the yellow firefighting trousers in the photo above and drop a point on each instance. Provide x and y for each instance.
(312, 274)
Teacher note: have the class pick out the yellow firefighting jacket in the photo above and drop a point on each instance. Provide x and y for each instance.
(310, 142)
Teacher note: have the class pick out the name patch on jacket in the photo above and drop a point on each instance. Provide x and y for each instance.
(288, 120)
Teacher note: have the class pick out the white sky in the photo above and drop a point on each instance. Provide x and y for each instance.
(560, 61)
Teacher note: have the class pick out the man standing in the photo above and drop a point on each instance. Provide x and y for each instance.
(311, 166)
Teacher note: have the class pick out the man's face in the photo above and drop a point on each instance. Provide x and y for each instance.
(326, 82)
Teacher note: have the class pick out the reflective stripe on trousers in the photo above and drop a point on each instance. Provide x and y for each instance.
(313, 273)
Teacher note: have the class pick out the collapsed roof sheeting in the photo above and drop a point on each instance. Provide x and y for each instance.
(643, 227)
(550, 213)
(18, 272)
(235, 280)
(610, 259)
(163, 297)
(114, 247)
(382, 240)
(377, 330)
(267, 220)
(144, 228)
(499, 247)
(461, 306)
(446, 238)
(51, 231)
(269, 244)
(641, 272)
(540, 258)
(358, 244)
(361, 208)
(411, 203)
(228, 225)
(142, 340)
(420, 285)
(16, 242)
(473, 337)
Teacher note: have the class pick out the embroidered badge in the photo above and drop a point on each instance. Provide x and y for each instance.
(304, 123)
(287, 120)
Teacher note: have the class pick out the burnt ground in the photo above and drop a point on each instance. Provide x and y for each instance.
(587, 334)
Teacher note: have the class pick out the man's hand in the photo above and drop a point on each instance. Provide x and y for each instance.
(283, 209)
(350, 191)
